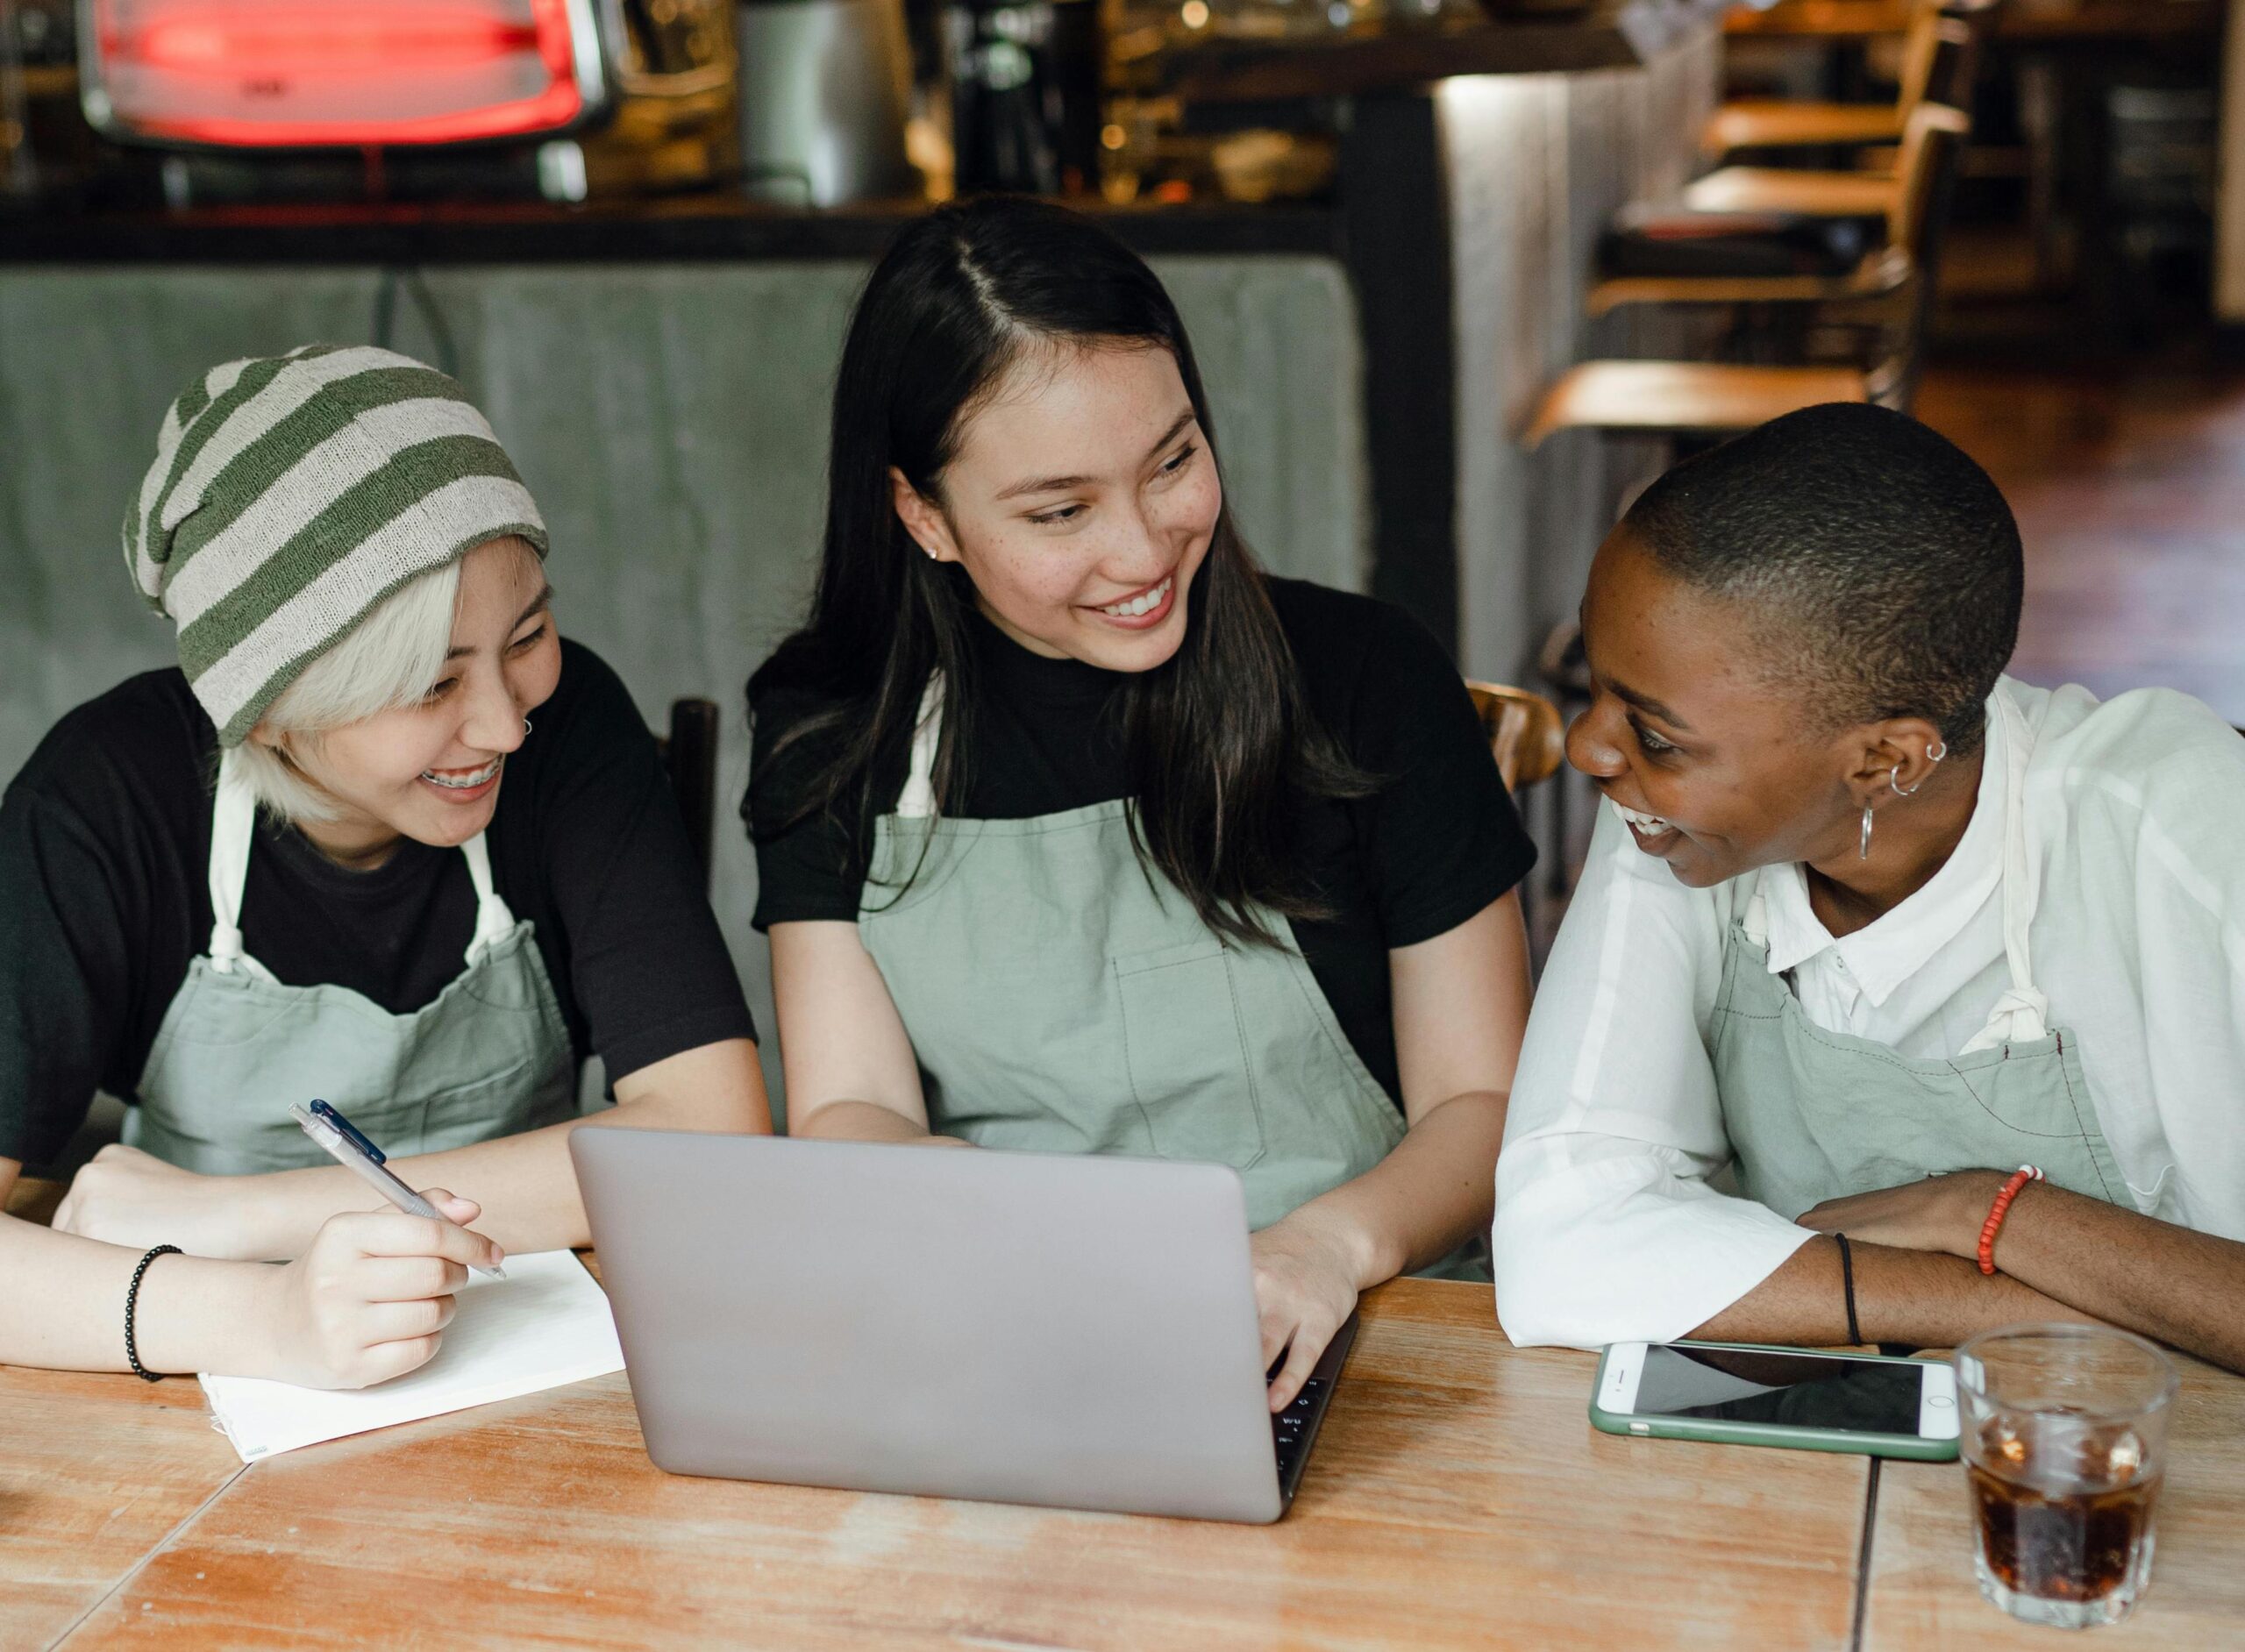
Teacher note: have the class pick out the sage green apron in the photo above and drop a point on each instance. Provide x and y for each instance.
(490, 1057)
(1814, 1114)
(1063, 997)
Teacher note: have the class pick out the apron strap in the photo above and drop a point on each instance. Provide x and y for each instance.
(1757, 920)
(233, 826)
(917, 801)
(495, 920)
(2022, 1014)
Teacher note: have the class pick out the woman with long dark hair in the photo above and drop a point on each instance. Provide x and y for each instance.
(1077, 832)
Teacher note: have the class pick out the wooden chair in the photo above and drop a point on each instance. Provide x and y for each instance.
(690, 753)
(1525, 734)
(1673, 397)
(1905, 202)
(1770, 123)
(1859, 193)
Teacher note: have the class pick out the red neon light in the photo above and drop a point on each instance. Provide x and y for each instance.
(338, 41)
(247, 45)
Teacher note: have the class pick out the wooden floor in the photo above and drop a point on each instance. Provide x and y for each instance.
(2130, 492)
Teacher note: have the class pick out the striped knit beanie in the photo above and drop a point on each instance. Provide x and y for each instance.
(291, 494)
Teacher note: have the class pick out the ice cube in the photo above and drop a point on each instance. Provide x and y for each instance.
(2124, 1456)
(2008, 1447)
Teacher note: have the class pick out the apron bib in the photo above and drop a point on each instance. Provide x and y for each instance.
(1062, 997)
(1814, 1114)
(489, 1057)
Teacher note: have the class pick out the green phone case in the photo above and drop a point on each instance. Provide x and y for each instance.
(1915, 1447)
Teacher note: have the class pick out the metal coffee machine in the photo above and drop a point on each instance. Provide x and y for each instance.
(825, 89)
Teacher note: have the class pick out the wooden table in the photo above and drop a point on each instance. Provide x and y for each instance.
(1920, 1589)
(1458, 1498)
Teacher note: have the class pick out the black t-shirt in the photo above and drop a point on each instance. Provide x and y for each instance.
(1433, 845)
(104, 896)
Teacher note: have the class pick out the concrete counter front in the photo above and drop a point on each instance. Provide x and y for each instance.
(662, 381)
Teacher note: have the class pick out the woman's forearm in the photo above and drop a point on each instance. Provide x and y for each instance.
(526, 1183)
(62, 1306)
(2133, 1270)
(866, 1122)
(1433, 1192)
(1918, 1297)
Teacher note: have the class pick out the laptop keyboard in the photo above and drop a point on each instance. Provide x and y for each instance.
(1291, 1430)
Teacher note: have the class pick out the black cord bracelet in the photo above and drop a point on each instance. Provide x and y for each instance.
(133, 1302)
(1848, 1284)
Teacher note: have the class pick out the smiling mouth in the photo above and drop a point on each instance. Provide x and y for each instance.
(1647, 827)
(1145, 603)
(463, 780)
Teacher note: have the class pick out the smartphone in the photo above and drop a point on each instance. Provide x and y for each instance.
(1745, 1394)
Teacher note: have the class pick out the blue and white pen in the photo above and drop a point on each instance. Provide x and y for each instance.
(352, 1150)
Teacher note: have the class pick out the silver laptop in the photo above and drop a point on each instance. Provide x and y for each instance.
(1067, 1330)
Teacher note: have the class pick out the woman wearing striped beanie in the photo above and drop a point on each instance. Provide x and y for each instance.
(329, 857)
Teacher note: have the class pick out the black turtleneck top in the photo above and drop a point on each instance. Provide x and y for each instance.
(1434, 844)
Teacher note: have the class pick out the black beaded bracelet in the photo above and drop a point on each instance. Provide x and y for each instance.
(1848, 1284)
(131, 1302)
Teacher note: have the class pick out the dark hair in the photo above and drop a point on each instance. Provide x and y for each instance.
(1219, 741)
(1886, 561)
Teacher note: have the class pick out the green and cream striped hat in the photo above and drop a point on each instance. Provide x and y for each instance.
(291, 494)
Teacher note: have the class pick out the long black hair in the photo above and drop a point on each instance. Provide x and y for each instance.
(1220, 744)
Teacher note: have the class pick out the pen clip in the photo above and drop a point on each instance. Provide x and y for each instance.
(343, 1128)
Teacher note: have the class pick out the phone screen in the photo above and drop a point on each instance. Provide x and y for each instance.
(1802, 1390)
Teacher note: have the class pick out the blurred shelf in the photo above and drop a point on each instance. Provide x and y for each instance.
(1602, 35)
(690, 229)
(2022, 20)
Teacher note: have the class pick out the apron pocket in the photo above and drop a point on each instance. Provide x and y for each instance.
(1186, 1056)
(503, 1103)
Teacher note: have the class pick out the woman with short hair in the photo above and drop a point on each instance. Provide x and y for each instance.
(1076, 832)
(330, 856)
(1868, 927)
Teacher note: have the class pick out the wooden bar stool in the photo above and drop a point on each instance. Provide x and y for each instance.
(1718, 398)
(1866, 193)
(1525, 734)
(1669, 397)
(1773, 124)
(1928, 147)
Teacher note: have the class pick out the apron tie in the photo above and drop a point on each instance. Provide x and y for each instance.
(2021, 1016)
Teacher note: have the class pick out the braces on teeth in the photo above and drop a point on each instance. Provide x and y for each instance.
(468, 784)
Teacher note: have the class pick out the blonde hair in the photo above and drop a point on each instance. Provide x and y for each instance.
(391, 658)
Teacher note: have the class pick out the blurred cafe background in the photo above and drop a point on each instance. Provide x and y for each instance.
(1462, 273)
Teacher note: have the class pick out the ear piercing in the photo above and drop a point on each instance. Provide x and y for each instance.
(1934, 753)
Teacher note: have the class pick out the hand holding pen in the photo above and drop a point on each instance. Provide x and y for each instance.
(351, 1149)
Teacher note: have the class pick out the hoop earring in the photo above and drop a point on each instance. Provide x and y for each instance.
(1934, 753)
(525, 725)
(1863, 851)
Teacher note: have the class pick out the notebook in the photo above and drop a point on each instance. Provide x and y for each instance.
(545, 1325)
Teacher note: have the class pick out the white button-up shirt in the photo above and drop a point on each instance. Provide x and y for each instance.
(1614, 1222)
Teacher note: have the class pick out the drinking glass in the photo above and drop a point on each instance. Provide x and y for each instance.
(2065, 1447)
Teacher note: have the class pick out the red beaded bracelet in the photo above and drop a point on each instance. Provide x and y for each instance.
(2019, 1178)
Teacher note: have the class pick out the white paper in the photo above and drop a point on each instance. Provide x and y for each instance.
(546, 1324)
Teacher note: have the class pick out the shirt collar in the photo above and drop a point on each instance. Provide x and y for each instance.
(1889, 950)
